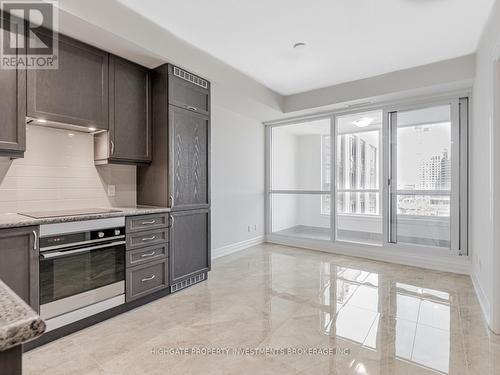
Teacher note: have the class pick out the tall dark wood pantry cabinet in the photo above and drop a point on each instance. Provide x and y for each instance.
(179, 175)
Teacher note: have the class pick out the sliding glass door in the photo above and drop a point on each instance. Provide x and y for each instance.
(358, 158)
(392, 176)
(424, 176)
(300, 195)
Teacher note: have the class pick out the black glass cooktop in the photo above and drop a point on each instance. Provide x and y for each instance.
(64, 213)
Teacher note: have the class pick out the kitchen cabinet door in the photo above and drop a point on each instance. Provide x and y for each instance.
(189, 244)
(19, 256)
(77, 92)
(12, 108)
(187, 95)
(129, 112)
(189, 139)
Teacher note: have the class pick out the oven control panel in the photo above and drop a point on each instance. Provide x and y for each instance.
(69, 239)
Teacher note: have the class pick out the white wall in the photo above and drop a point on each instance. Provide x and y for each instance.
(285, 177)
(484, 174)
(239, 105)
(237, 177)
(309, 166)
(444, 75)
(284, 158)
(58, 172)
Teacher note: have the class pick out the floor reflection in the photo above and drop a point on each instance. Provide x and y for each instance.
(386, 319)
(406, 325)
(414, 326)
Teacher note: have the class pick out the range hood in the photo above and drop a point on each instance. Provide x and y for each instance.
(60, 125)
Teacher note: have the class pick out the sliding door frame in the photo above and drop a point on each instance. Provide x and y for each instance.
(358, 110)
(269, 173)
(460, 102)
(456, 172)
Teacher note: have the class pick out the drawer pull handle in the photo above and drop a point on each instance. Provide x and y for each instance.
(190, 107)
(148, 254)
(148, 279)
(148, 222)
(149, 238)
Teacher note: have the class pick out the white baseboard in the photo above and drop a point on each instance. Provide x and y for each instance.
(481, 296)
(447, 263)
(235, 247)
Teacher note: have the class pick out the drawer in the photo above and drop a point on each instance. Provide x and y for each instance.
(146, 279)
(147, 238)
(146, 255)
(189, 96)
(146, 222)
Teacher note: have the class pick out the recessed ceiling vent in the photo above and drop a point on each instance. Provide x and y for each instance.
(190, 77)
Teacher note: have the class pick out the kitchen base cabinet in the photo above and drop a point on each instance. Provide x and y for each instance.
(190, 253)
(146, 279)
(147, 269)
(148, 238)
(19, 256)
(11, 361)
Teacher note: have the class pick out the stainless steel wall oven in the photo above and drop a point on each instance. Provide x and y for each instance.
(82, 269)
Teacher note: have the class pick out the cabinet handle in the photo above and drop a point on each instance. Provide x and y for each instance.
(172, 221)
(112, 148)
(171, 200)
(35, 240)
(192, 108)
(149, 238)
(148, 279)
(148, 254)
(148, 222)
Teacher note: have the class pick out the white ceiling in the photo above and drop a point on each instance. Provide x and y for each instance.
(346, 39)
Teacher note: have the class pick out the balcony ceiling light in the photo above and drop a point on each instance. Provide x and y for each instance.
(363, 122)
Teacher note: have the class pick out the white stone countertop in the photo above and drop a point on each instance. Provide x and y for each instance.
(18, 322)
(14, 220)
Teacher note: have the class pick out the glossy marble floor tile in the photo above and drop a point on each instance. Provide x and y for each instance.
(280, 310)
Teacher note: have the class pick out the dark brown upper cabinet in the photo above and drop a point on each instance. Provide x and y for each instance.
(179, 176)
(188, 91)
(12, 109)
(77, 92)
(19, 256)
(129, 137)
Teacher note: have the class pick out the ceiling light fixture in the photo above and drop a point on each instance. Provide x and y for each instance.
(41, 121)
(299, 45)
(363, 122)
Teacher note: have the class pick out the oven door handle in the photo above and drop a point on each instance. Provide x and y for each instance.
(58, 254)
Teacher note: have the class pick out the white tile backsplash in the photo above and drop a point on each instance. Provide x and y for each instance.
(58, 172)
